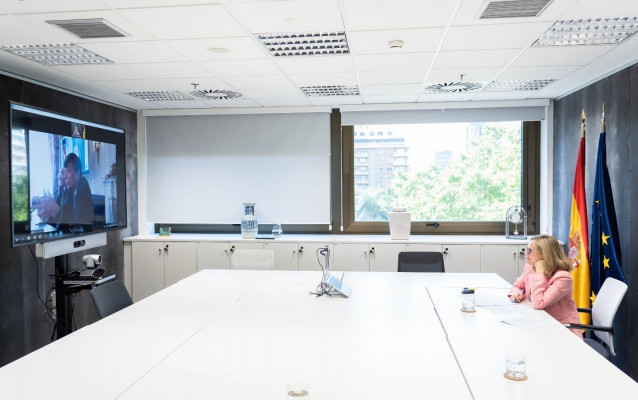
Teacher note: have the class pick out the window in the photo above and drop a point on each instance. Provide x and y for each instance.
(452, 177)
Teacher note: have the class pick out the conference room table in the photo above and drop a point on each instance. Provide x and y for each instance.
(226, 334)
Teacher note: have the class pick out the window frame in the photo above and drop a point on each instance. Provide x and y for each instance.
(343, 145)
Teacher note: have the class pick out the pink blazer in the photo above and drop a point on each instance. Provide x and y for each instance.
(553, 295)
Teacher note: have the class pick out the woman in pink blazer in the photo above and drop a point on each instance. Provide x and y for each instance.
(547, 282)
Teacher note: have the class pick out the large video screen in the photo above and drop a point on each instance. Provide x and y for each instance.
(68, 176)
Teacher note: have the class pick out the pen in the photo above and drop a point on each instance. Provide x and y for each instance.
(519, 295)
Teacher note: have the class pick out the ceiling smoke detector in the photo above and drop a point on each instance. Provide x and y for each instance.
(395, 44)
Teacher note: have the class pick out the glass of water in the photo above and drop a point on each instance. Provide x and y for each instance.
(276, 230)
(515, 366)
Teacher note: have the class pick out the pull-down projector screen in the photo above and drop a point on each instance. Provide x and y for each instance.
(202, 168)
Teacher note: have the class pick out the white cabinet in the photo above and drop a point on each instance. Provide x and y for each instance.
(157, 265)
(213, 255)
(351, 257)
(462, 257)
(286, 255)
(384, 257)
(507, 260)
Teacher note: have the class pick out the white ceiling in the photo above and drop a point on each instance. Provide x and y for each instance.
(167, 42)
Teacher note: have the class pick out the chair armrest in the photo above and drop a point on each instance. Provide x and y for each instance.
(590, 327)
(584, 310)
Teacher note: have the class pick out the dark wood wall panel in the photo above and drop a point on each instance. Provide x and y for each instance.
(23, 278)
(619, 92)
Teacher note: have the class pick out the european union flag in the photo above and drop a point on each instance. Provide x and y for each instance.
(605, 248)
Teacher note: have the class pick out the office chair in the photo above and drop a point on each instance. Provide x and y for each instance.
(110, 298)
(421, 261)
(602, 314)
(252, 259)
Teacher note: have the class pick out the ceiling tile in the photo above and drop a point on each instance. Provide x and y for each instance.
(169, 70)
(239, 48)
(135, 52)
(44, 6)
(315, 64)
(475, 59)
(535, 73)
(391, 90)
(376, 42)
(491, 37)
(289, 16)
(240, 68)
(392, 77)
(394, 62)
(106, 72)
(347, 79)
(563, 55)
(469, 74)
(385, 99)
(185, 84)
(259, 82)
(444, 97)
(186, 22)
(397, 14)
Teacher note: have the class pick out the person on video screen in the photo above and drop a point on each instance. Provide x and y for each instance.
(73, 204)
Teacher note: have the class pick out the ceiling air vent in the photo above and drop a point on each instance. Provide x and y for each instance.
(215, 94)
(512, 8)
(89, 28)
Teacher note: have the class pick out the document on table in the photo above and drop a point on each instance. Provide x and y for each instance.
(524, 321)
(492, 297)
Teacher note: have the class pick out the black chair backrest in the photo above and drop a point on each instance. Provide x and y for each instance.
(421, 261)
(110, 297)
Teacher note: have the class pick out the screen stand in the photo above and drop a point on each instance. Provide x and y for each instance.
(64, 313)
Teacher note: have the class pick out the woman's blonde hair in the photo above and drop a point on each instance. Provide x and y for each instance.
(553, 254)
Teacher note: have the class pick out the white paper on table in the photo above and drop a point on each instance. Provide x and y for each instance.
(525, 321)
(490, 298)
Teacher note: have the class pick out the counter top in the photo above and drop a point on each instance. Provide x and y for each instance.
(296, 238)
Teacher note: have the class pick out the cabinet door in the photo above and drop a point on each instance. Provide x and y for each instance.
(147, 269)
(309, 259)
(351, 257)
(462, 257)
(502, 259)
(384, 257)
(180, 261)
(213, 255)
(285, 255)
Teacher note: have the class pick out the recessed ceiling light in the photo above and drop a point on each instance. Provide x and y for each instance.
(504, 86)
(330, 90)
(453, 87)
(589, 31)
(160, 96)
(305, 44)
(215, 94)
(290, 19)
(57, 54)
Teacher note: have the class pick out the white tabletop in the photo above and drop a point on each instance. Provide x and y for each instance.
(248, 334)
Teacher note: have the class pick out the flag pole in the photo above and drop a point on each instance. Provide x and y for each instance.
(602, 119)
(582, 125)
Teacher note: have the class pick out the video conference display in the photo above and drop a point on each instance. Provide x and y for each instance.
(67, 176)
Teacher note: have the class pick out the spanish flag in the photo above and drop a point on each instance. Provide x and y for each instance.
(578, 236)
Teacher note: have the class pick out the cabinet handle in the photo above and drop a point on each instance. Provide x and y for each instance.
(371, 250)
(522, 252)
(445, 251)
(159, 252)
(232, 249)
(166, 249)
(300, 250)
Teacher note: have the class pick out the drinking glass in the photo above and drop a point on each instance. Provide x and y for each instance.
(515, 366)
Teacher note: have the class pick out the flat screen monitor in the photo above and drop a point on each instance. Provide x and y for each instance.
(68, 176)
